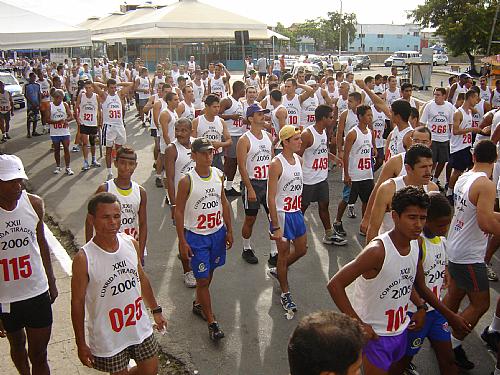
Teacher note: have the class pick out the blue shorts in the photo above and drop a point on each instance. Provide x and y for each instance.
(209, 252)
(435, 328)
(277, 73)
(385, 350)
(60, 138)
(346, 192)
(292, 224)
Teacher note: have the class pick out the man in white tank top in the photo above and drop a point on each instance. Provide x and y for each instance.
(88, 111)
(203, 223)
(45, 86)
(279, 116)
(293, 101)
(254, 153)
(113, 134)
(393, 92)
(400, 137)
(495, 95)
(186, 107)
(158, 106)
(315, 155)
(217, 84)
(142, 87)
(384, 274)
(284, 195)
(110, 292)
(253, 80)
(28, 286)
(231, 111)
(459, 87)
(418, 164)
(199, 89)
(6, 111)
(484, 91)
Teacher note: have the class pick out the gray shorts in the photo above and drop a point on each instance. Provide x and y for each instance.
(217, 161)
(361, 189)
(315, 193)
(142, 102)
(231, 150)
(440, 151)
(470, 277)
(260, 188)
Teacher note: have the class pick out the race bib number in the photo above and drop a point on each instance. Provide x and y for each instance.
(440, 129)
(4, 108)
(16, 268)
(293, 120)
(209, 221)
(115, 113)
(238, 123)
(260, 172)
(292, 203)
(88, 117)
(126, 317)
(467, 138)
(311, 118)
(320, 164)
(364, 164)
(396, 318)
(60, 125)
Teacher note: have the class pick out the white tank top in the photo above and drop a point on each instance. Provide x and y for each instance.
(315, 158)
(466, 241)
(367, 101)
(391, 97)
(319, 96)
(459, 90)
(236, 128)
(183, 163)
(438, 119)
(350, 122)
(485, 94)
(382, 302)
(170, 125)
(157, 82)
(276, 65)
(478, 116)
(434, 265)
(213, 131)
(274, 120)
(268, 103)
(116, 315)
(191, 66)
(143, 85)
(396, 145)
(23, 274)
(217, 87)
(495, 99)
(188, 111)
(290, 183)
(341, 105)
(461, 141)
(112, 112)
(199, 93)
(294, 110)
(308, 108)
(163, 106)
(402, 172)
(73, 84)
(44, 90)
(58, 113)
(334, 94)
(88, 110)
(378, 126)
(129, 204)
(5, 102)
(258, 156)
(360, 157)
(253, 82)
(203, 214)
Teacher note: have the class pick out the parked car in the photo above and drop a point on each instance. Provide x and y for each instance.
(388, 61)
(402, 58)
(307, 67)
(439, 59)
(290, 62)
(364, 61)
(336, 64)
(356, 64)
(12, 85)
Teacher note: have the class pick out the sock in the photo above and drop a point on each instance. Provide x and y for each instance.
(497, 371)
(274, 249)
(85, 161)
(93, 159)
(283, 294)
(329, 232)
(495, 324)
(158, 175)
(350, 206)
(246, 244)
(110, 170)
(229, 185)
(449, 191)
(455, 343)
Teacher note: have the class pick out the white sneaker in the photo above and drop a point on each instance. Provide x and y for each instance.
(110, 176)
(69, 172)
(189, 279)
(57, 170)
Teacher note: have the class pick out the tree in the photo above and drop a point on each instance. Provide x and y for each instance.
(464, 25)
(281, 29)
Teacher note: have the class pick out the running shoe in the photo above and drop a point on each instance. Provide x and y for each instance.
(273, 260)
(273, 272)
(7, 136)
(492, 276)
(338, 227)
(86, 166)
(215, 332)
(57, 170)
(491, 338)
(287, 302)
(189, 280)
(75, 149)
(197, 310)
(4, 139)
(249, 256)
(167, 201)
(232, 193)
(334, 239)
(461, 358)
(35, 134)
(69, 171)
(95, 164)
(109, 176)
(350, 212)
(411, 370)
(158, 182)
(28, 135)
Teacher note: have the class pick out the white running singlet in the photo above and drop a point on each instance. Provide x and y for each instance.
(461, 141)
(188, 111)
(130, 201)
(308, 108)
(293, 108)
(112, 111)
(378, 126)
(258, 156)
(183, 164)
(290, 184)
(88, 109)
(217, 87)
(199, 93)
(58, 114)
(236, 128)
(438, 119)
(213, 131)
(315, 158)
(360, 157)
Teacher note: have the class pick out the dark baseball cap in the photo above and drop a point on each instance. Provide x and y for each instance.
(254, 108)
(201, 144)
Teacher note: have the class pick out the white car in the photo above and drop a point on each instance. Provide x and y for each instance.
(307, 67)
(12, 86)
(388, 61)
(439, 59)
(401, 58)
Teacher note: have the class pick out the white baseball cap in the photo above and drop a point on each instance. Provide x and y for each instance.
(11, 168)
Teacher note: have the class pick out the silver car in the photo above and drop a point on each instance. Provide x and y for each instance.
(12, 86)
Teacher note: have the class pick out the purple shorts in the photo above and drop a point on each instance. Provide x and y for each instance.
(386, 350)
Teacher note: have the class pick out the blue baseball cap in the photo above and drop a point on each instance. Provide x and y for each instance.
(254, 108)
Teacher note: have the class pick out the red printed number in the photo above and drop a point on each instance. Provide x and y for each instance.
(209, 221)
(364, 164)
(88, 116)
(395, 318)
(59, 125)
(467, 138)
(114, 113)
(260, 171)
(311, 118)
(294, 203)
(321, 163)
(132, 313)
(293, 120)
(20, 267)
(440, 129)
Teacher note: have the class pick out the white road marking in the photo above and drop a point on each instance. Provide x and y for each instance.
(58, 250)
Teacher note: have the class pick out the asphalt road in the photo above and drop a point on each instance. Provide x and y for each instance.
(245, 300)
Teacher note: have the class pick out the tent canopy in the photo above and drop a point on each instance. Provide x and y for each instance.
(23, 29)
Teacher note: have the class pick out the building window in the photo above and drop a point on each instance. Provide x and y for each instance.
(380, 49)
(362, 35)
(371, 49)
(415, 47)
(407, 46)
(399, 36)
(415, 33)
(380, 36)
(387, 49)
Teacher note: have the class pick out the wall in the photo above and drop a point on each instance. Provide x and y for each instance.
(385, 38)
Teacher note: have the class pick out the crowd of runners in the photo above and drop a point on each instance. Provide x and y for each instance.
(430, 217)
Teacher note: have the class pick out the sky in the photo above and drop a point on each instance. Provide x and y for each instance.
(269, 11)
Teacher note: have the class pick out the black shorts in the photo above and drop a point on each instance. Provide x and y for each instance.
(440, 151)
(260, 188)
(315, 193)
(461, 160)
(34, 312)
(5, 116)
(262, 74)
(363, 189)
(470, 277)
(153, 132)
(88, 130)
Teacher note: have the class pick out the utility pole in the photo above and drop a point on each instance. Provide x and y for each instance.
(340, 30)
(493, 29)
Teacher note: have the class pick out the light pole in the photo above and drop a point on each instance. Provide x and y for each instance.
(340, 30)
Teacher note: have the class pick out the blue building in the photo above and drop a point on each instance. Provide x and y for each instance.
(386, 38)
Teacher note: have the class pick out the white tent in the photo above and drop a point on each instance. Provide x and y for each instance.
(22, 29)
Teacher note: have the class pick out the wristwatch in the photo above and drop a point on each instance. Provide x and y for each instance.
(423, 306)
(157, 310)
